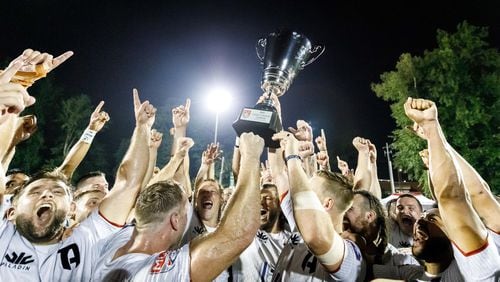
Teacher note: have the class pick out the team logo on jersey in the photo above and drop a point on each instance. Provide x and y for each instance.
(262, 236)
(70, 255)
(18, 261)
(199, 229)
(164, 262)
(295, 239)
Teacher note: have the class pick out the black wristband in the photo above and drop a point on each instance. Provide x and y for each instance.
(289, 157)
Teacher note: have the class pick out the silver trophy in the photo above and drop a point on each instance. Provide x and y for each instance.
(283, 54)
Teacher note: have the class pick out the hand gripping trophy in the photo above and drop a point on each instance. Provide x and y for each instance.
(283, 54)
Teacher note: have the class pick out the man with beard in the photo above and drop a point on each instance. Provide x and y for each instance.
(317, 207)
(473, 249)
(258, 261)
(33, 248)
(408, 210)
(150, 250)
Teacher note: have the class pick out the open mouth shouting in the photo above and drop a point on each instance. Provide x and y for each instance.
(44, 213)
(208, 204)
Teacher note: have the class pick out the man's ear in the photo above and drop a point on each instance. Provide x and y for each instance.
(328, 203)
(174, 221)
(10, 214)
(371, 216)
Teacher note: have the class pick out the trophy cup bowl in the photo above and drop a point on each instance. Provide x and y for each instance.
(283, 55)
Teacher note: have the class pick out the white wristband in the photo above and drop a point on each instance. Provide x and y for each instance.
(88, 135)
(336, 252)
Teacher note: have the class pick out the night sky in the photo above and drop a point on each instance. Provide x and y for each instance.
(171, 50)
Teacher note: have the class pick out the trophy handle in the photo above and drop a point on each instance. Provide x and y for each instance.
(315, 53)
(260, 48)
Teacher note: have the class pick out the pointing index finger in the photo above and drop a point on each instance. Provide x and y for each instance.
(99, 107)
(188, 104)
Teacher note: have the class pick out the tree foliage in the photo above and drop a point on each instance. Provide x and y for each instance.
(462, 75)
(61, 119)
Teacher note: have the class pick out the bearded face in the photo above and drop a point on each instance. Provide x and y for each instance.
(41, 210)
(429, 240)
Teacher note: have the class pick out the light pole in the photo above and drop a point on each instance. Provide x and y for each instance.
(387, 152)
(218, 101)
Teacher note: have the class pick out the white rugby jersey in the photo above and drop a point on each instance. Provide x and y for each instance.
(400, 240)
(496, 238)
(480, 265)
(297, 263)
(68, 260)
(172, 265)
(258, 261)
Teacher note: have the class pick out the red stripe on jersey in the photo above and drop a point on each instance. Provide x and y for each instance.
(283, 196)
(468, 254)
(110, 222)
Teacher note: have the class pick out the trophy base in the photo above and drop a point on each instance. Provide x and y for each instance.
(261, 120)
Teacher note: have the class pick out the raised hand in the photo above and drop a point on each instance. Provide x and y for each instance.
(274, 99)
(321, 141)
(184, 144)
(417, 130)
(343, 166)
(98, 118)
(36, 65)
(288, 142)
(306, 149)
(13, 97)
(251, 145)
(420, 110)
(25, 128)
(361, 144)
(323, 159)
(211, 154)
(144, 112)
(266, 175)
(180, 114)
(155, 139)
(303, 131)
(35, 61)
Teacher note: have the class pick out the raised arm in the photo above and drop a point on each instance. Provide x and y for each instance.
(78, 152)
(154, 143)
(362, 175)
(313, 221)
(208, 158)
(25, 127)
(117, 204)
(463, 225)
(180, 120)
(240, 221)
(168, 171)
(375, 188)
(322, 156)
(483, 200)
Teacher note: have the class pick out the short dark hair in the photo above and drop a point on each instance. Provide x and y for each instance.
(408, 195)
(156, 200)
(89, 175)
(55, 175)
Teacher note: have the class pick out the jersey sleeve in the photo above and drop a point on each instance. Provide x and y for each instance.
(287, 209)
(97, 226)
(352, 264)
(482, 264)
